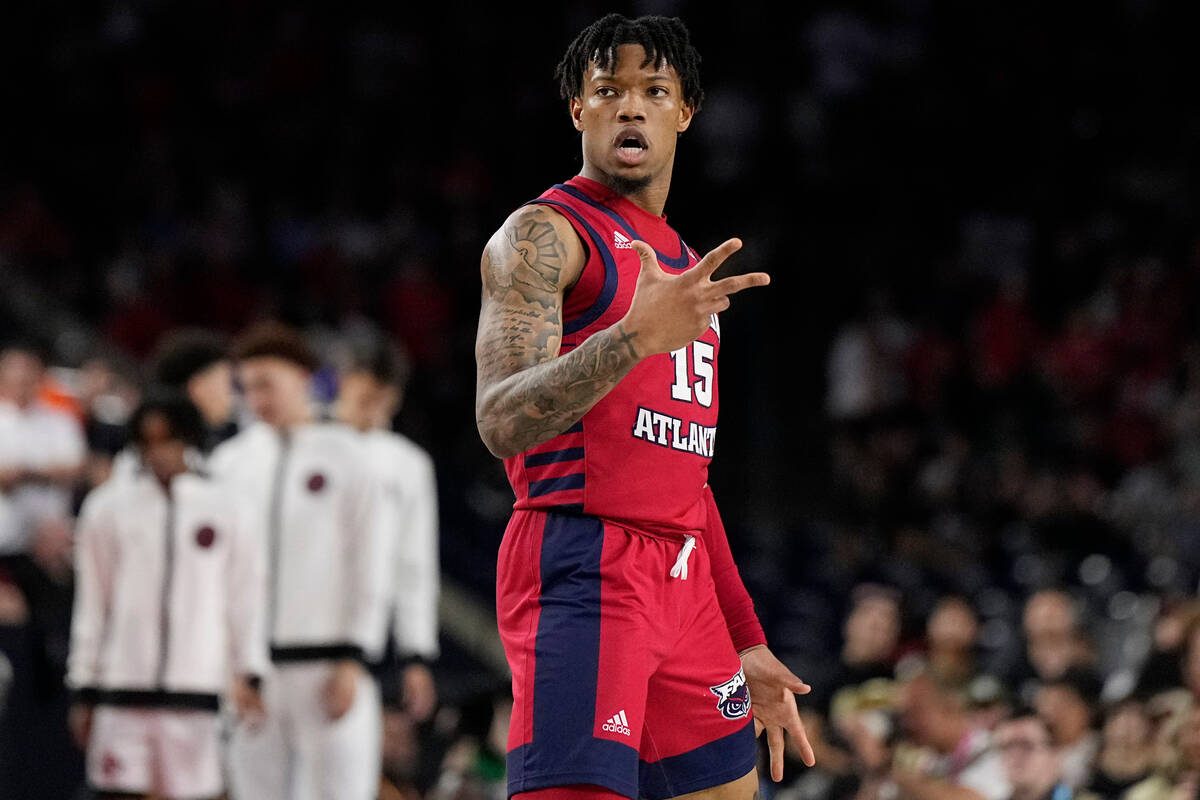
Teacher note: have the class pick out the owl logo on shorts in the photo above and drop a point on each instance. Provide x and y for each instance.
(733, 697)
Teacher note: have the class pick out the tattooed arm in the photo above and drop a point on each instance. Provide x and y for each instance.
(526, 393)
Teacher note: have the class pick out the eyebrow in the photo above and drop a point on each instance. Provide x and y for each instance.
(658, 77)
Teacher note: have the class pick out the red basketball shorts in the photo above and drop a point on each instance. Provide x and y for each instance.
(623, 677)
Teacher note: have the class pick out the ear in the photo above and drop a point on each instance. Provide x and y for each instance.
(577, 113)
(686, 112)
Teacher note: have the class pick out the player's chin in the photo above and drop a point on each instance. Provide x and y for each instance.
(630, 172)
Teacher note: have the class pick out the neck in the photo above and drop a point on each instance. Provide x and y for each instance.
(294, 421)
(165, 480)
(650, 196)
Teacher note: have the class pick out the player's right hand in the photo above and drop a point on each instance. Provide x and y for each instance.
(340, 688)
(672, 311)
(79, 720)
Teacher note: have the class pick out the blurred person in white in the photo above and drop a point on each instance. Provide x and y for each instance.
(1068, 704)
(946, 757)
(318, 510)
(1126, 750)
(369, 396)
(42, 452)
(198, 363)
(168, 600)
(1031, 763)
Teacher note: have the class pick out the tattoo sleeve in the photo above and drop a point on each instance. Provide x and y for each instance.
(526, 393)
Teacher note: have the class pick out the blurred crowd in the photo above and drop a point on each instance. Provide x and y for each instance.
(973, 523)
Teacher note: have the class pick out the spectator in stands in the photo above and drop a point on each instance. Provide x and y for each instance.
(1032, 765)
(1179, 776)
(1054, 639)
(870, 635)
(41, 459)
(950, 636)
(1126, 749)
(1068, 705)
(948, 757)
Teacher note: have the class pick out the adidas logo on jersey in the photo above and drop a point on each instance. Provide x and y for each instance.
(621, 241)
(617, 724)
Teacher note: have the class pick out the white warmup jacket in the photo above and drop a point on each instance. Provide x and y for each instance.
(410, 505)
(318, 513)
(168, 593)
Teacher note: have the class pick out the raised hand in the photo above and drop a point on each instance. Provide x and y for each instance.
(671, 311)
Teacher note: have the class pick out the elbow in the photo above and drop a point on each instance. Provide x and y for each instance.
(487, 421)
(494, 441)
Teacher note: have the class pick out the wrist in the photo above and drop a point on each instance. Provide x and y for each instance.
(630, 341)
(751, 649)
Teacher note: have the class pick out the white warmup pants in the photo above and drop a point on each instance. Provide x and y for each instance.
(299, 753)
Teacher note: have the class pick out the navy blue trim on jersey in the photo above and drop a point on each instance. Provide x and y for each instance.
(608, 291)
(564, 750)
(718, 762)
(680, 262)
(553, 457)
(549, 485)
(576, 428)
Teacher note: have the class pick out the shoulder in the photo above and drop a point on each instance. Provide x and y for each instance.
(535, 238)
(401, 451)
(337, 441)
(255, 437)
(102, 499)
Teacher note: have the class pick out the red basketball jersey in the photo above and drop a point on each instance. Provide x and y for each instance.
(640, 456)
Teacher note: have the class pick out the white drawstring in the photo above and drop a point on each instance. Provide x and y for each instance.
(680, 568)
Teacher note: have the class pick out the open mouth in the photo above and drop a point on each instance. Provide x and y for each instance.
(631, 145)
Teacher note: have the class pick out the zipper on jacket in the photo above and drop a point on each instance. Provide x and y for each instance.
(168, 574)
(274, 532)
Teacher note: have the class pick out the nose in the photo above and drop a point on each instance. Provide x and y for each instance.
(632, 107)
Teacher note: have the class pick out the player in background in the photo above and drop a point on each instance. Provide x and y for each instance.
(370, 393)
(597, 384)
(317, 510)
(198, 363)
(168, 600)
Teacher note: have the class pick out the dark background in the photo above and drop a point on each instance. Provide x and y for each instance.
(996, 201)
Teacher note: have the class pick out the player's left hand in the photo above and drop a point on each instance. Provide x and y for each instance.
(773, 690)
(341, 688)
(419, 692)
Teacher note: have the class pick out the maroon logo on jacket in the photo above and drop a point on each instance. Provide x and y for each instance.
(316, 482)
(110, 765)
(206, 536)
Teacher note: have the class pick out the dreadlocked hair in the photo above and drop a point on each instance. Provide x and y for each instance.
(665, 39)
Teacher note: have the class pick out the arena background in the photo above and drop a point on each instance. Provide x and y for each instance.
(976, 370)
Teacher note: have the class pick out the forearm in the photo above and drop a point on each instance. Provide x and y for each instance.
(541, 401)
(736, 605)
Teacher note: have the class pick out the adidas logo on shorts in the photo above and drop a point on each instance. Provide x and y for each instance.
(621, 241)
(617, 724)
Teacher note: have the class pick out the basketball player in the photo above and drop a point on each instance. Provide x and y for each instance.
(168, 598)
(317, 511)
(196, 362)
(369, 396)
(621, 611)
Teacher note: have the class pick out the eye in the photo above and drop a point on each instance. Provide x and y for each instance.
(659, 91)
(606, 91)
